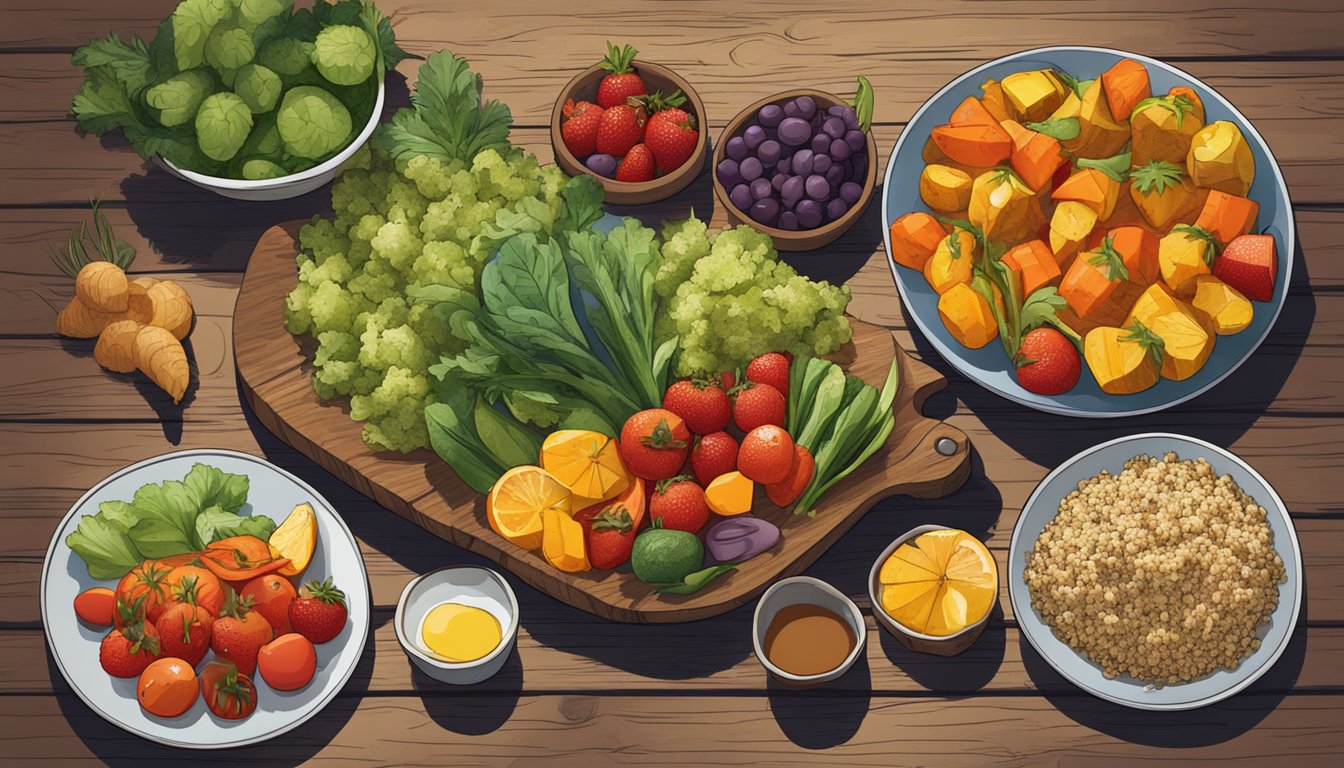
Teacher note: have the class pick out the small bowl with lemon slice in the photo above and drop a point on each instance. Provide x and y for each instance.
(458, 624)
(934, 589)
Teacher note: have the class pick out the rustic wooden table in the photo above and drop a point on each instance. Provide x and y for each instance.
(580, 689)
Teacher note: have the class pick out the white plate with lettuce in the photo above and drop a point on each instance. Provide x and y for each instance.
(183, 501)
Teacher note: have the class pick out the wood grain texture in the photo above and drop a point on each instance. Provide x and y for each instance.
(275, 376)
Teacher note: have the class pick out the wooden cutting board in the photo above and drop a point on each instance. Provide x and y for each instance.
(275, 370)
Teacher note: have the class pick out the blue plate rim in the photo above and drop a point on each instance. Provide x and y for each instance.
(1049, 406)
(1276, 507)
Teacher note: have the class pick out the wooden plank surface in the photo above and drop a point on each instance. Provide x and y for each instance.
(583, 691)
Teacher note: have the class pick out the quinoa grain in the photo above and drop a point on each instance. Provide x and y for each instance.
(1163, 572)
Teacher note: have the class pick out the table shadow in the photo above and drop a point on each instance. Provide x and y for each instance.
(959, 675)
(826, 715)
(1203, 727)
(117, 748)
(842, 259)
(472, 710)
(1232, 406)
(169, 416)
(696, 199)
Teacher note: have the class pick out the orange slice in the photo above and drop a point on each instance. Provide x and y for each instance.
(939, 583)
(518, 500)
(295, 539)
(587, 462)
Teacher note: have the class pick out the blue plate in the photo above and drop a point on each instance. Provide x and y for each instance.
(988, 366)
(1080, 670)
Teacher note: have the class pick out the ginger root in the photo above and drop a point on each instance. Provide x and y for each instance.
(102, 286)
(115, 348)
(172, 308)
(160, 356)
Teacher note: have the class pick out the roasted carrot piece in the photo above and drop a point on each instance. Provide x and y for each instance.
(1189, 93)
(1036, 265)
(1092, 279)
(975, 145)
(972, 111)
(913, 238)
(1126, 84)
(1035, 156)
(1092, 188)
(1138, 250)
(1227, 216)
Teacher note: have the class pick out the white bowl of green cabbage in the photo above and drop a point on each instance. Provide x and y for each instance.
(250, 99)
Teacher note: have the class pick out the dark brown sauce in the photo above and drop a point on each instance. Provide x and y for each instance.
(806, 639)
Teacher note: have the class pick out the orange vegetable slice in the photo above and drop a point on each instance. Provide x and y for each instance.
(518, 500)
(730, 494)
(913, 238)
(975, 145)
(586, 461)
(562, 541)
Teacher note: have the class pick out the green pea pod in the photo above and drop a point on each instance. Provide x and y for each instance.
(697, 580)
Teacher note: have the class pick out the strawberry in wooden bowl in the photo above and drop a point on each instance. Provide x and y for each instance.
(636, 127)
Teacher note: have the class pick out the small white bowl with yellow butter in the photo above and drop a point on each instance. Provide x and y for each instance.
(458, 624)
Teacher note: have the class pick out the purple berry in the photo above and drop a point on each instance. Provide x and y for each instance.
(802, 162)
(834, 127)
(777, 181)
(741, 197)
(602, 165)
(807, 107)
(768, 153)
(790, 109)
(817, 187)
(736, 148)
(760, 188)
(809, 214)
(821, 163)
(850, 192)
(753, 137)
(839, 150)
(765, 211)
(751, 169)
(856, 140)
(834, 175)
(794, 132)
(729, 174)
(788, 220)
(792, 190)
(785, 164)
(770, 115)
(836, 208)
(836, 111)
(821, 143)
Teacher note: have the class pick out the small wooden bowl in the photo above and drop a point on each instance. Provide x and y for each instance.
(803, 239)
(657, 78)
(950, 645)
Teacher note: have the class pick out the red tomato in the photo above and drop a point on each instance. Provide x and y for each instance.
(226, 692)
(167, 687)
(288, 662)
(97, 606)
(143, 590)
(271, 595)
(208, 590)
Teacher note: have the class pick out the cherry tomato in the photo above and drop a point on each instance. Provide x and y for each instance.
(209, 591)
(143, 590)
(271, 595)
(228, 693)
(97, 606)
(288, 662)
(167, 687)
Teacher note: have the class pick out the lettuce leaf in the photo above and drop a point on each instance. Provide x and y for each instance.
(164, 519)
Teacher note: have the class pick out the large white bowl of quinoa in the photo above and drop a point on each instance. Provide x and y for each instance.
(1114, 506)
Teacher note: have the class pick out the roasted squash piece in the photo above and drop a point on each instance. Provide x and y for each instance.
(1220, 159)
(944, 189)
(1164, 195)
(1227, 310)
(952, 261)
(1163, 127)
(1004, 208)
(1183, 254)
(967, 316)
(1123, 360)
(1070, 226)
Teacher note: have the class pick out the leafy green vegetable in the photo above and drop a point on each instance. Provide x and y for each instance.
(345, 55)
(193, 23)
(258, 87)
(478, 456)
(863, 103)
(1061, 128)
(165, 519)
(286, 56)
(175, 100)
(1116, 167)
(253, 13)
(128, 61)
(229, 47)
(448, 119)
(312, 122)
(222, 125)
(696, 581)
(260, 168)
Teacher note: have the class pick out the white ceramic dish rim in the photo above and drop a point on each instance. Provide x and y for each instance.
(1276, 506)
(860, 634)
(877, 602)
(505, 642)
(1289, 234)
(258, 185)
(57, 540)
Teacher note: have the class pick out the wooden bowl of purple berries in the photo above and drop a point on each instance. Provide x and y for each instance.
(800, 166)
(636, 127)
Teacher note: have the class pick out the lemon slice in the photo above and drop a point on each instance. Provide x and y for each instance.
(518, 500)
(939, 583)
(296, 538)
